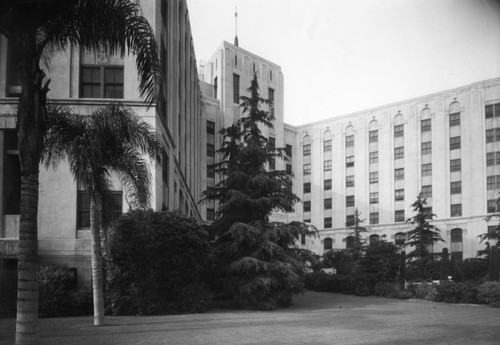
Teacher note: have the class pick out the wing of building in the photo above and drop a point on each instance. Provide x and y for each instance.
(446, 145)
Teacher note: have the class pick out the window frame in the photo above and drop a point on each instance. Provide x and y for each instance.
(327, 145)
(102, 80)
(399, 131)
(425, 125)
(454, 167)
(454, 119)
(426, 148)
(455, 143)
(399, 152)
(307, 169)
(399, 174)
(426, 169)
(327, 165)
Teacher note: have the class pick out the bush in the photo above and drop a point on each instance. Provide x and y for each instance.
(385, 289)
(422, 290)
(320, 281)
(474, 268)
(453, 292)
(58, 294)
(169, 279)
(489, 293)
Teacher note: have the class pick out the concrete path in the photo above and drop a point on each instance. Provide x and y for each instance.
(315, 318)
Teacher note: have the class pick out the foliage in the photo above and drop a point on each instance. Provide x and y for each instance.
(258, 264)
(385, 289)
(455, 292)
(489, 293)
(427, 269)
(474, 268)
(444, 265)
(341, 260)
(8, 292)
(59, 295)
(169, 279)
(423, 236)
(422, 290)
(357, 233)
(380, 263)
(248, 192)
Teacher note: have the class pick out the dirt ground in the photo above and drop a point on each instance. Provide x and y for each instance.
(315, 318)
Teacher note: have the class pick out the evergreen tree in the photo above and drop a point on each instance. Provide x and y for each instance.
(357, 234)
(423, 236)
(258, 264)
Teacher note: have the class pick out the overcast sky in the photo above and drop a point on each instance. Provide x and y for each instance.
(344, 56)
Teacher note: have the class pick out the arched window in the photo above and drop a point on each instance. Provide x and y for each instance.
(374, 239)
(399, 238)
(399, 119)
(454, 107)
(454, 114)
(349, 130)
(328, 243)
(349, 242)
(373, 125)
(457, 243)
(327, 134)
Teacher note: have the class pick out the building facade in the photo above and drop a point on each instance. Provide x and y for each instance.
(86, 81)
(444, 145)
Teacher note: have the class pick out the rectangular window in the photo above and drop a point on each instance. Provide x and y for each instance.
(492, 206)
(307, 169)
(327, 184)
(426, 148)
(374, 198)
(210, 214)
(427, 191)
(349, 201)
(272, 164)
(83, 207)
(307, 187)
(289, 169)
(399, 194)
(454, 143)
(489, 111)
(327, 145)
(497, 156)
(272, 143)
(456, 210)
(349, 141)
(399, 174)
(455, 119)
(373, 136)
(374, 177)
(236, 89)
(307, 206)
(328, 222)
(210, 171)
(288, 150)
(373, 218)
(455, 165)
(327, 165)
(399, 216)
(427, 169)
(425, 125)
(306, 150)
(101, 82)
(210, 127)
(349, 181)
(399, 152)
(210, 150)
(349, 220)
(490, 135)
(349, 162)
(490, 159)
(399, 131)
(491, 182)
(328, 204)
(307, 221)
(271, 101)
(374, 157)
(456, 187)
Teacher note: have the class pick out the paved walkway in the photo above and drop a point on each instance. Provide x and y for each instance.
(315, 318)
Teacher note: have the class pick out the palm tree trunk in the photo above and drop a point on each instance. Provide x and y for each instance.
(30, 129)
(27, 292)
(96, 254)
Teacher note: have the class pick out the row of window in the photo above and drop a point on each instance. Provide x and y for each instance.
(492, 110)
(399, 239)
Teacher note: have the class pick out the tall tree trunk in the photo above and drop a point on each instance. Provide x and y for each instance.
(30, 129)
(96, 253)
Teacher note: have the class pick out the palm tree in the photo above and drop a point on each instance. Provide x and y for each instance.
(111, 140)
(31, 26)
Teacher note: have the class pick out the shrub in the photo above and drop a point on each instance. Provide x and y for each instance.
(385, 289)
(474, 268)
(422, 290)
(169, 279)
(489, 293)
(320, 281)
(453, 292)
(58, 294)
